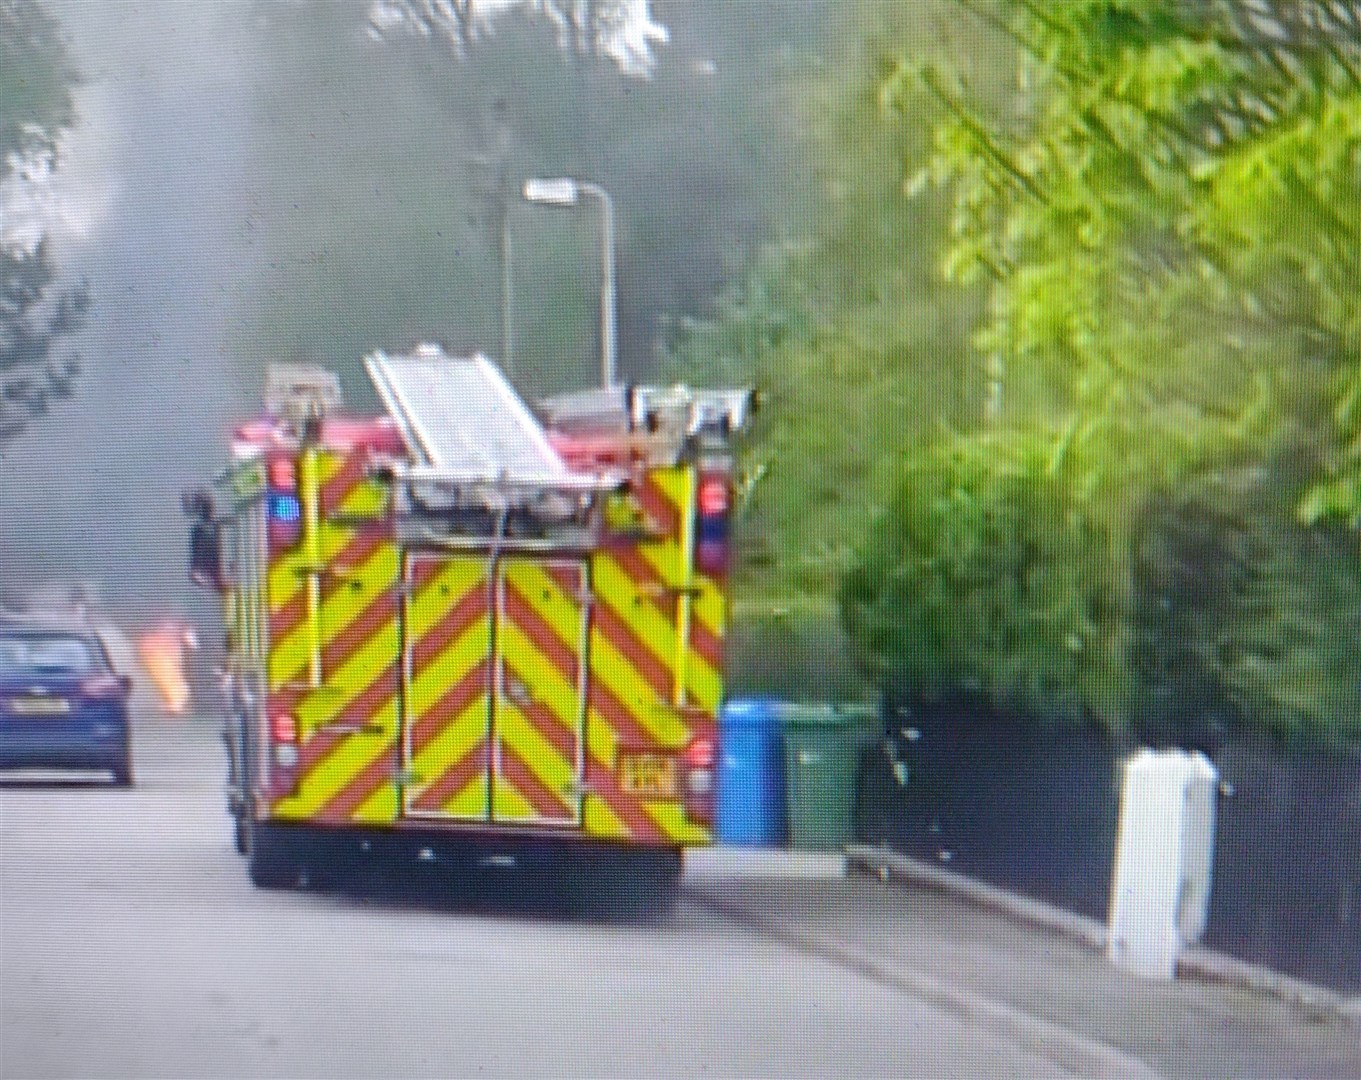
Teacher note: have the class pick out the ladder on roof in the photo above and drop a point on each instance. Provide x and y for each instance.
(470, 432)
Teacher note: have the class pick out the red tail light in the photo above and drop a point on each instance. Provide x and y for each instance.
(282, 475)
(284, 728)
(713, 496)
(700, 756)
(104, 687)
(701, 753)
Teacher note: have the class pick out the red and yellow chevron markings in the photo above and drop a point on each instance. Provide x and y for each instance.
(446, 693)
(538, 752)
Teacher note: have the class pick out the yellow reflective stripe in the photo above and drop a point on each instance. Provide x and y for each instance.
(612, 669)
(380, 807)
(672, 482)
(357, 752)
(670, 818)
(285, 578)
(710, 603)
(548, 684)
(510, 804)
(368, 499)
(461, 733)
(287, 571)
(602, 741)
(471, 801)
(349, 757)
(636, 611)
(290, 655)
(703, 683)
(598, 819)
(369, 662)
(460, 736)
(539, 756)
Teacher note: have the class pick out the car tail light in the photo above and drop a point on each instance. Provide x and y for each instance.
(104, 687)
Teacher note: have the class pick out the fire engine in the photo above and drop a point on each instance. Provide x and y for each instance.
(469, 632)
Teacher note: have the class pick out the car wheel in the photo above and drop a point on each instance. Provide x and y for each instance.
(270, 866)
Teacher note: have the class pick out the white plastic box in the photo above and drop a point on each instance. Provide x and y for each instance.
(1164, 854)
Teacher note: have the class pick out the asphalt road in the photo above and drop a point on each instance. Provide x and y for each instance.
(131, 944)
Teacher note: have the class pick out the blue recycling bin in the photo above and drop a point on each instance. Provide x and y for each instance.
(751, 802)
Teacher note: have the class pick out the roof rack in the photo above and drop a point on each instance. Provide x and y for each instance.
(676, 410)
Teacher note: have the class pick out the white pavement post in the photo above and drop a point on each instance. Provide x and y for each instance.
(1164, 854)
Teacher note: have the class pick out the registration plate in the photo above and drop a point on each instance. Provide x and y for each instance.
(39, 706)
(650, 775)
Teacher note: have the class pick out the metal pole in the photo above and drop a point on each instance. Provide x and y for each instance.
(507, 284)
(608, 363)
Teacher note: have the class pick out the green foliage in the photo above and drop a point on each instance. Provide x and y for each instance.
(1161, 207)
(38, 312)
(987, 573)
(1165, 208)
(1244, 615)
(852, 339)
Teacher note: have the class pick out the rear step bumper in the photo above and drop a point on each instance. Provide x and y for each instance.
(316, 848)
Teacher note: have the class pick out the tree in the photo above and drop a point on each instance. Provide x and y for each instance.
(1161, 208)
(38, 312)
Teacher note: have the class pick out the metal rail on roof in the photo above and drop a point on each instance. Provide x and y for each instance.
(678, 410)
(466, 426)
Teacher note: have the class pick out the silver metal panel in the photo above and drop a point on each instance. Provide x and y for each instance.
(464, 421)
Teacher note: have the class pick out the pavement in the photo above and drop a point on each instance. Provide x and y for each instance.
(1031, 970)
(1195, 963)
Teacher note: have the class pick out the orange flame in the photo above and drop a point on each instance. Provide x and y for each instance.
(162, 652)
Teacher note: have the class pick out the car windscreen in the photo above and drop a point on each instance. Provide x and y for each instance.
(48, 654)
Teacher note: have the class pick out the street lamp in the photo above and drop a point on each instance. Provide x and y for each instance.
(564, 191)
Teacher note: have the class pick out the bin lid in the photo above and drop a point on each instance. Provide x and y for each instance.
(750, 712)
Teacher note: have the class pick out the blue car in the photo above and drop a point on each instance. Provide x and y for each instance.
(62, 704)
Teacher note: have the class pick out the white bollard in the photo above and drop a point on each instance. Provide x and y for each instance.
(1164, 855)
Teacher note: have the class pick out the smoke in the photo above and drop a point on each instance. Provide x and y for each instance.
(141, 204)
(263, 181)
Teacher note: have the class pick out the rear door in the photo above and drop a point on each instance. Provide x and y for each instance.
(542, 620)
(446, 687)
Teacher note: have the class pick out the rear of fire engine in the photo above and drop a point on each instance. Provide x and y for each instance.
(467, 633)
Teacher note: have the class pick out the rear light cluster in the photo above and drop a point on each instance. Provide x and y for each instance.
(714, 501)
(284, 509)
(283, 730)
(699, 758)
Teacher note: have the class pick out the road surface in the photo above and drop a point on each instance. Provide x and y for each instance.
(131, 944)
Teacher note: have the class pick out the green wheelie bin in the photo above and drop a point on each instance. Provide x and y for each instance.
(824, 743)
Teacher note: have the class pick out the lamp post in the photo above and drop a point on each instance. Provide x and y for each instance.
(564, 191)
